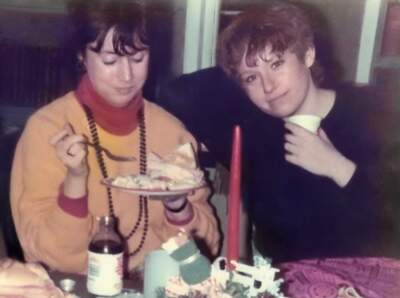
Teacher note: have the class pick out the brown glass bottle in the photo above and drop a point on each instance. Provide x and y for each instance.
(105, 255)
(106, 246)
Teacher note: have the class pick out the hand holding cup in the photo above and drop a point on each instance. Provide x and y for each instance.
(309, 122)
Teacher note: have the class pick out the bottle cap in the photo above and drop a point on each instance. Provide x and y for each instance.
(67, 285)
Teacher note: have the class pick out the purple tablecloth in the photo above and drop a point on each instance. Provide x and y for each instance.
(369, 277)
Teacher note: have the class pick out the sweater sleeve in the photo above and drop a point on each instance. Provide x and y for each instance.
(361, 191)
(77, 207)
(47, 233)
(372, 146)
(203, 224)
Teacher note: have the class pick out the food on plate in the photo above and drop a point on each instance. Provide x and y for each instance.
(178, 170)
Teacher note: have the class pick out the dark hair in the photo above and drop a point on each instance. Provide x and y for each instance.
(92, 19)
(281, 25)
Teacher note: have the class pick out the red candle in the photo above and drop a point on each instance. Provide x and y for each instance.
(233, 231)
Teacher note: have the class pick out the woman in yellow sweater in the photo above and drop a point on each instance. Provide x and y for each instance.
(55, 191)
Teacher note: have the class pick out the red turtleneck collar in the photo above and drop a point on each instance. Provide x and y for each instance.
(116, 120)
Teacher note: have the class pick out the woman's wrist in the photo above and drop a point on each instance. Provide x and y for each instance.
(343, 171)
(75, 186)
(174, 202)
(177, 208)
(181, 215)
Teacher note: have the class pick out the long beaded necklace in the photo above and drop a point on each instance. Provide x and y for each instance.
(143, 204)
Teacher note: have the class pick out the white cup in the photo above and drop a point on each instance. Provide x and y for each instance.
(158, 268)
(309, 122)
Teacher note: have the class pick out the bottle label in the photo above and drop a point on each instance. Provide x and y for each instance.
(104, 276)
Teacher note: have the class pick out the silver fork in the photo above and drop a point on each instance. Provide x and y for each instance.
(111, 155)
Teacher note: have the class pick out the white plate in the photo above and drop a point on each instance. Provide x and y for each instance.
(152, 192)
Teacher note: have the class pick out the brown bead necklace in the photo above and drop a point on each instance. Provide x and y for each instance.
(143, 204)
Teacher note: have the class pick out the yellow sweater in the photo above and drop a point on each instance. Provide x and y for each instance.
(50, 235)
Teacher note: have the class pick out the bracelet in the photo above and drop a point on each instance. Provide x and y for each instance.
(179, 209)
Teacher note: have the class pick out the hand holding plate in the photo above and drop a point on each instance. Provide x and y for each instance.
(175, 203)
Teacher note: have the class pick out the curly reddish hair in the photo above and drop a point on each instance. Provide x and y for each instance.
(283, 26)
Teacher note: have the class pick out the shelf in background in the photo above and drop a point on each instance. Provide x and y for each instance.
(390, 44)
(387, 62)
(48, 6)
(386, 48)
(387, 81)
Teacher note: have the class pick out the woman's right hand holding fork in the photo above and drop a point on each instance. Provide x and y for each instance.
(71, 149)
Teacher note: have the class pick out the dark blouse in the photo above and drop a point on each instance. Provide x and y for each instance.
(300, 215)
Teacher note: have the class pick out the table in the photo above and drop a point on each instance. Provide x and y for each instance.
(80, 286)
(369, 277)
